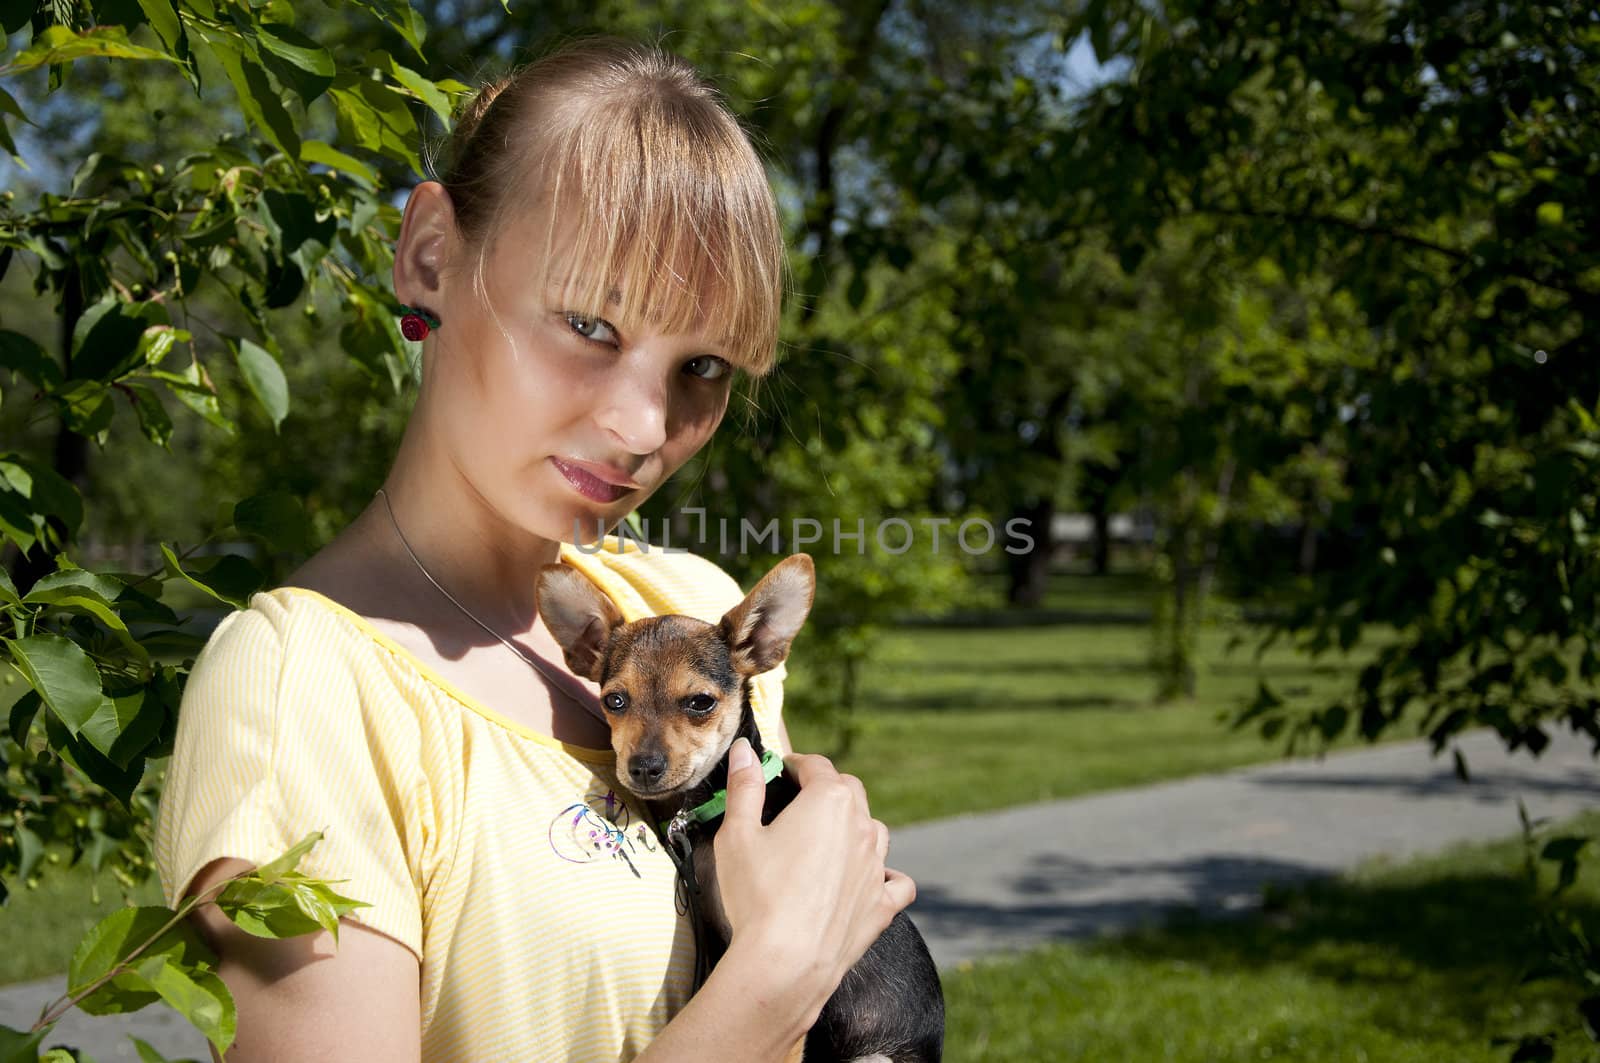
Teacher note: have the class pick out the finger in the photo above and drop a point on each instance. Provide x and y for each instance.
(858, 790)
(883, 839)
(808, 768)
(898, 889)
(747, 791)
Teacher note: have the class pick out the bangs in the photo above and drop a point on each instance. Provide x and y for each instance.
(660, 205)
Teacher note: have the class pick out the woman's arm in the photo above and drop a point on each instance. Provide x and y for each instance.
(305, 998)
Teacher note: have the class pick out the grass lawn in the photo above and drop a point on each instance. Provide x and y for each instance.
(968, 718)
(1394, 964)
(40, 928)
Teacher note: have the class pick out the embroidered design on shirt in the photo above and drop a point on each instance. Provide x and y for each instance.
(597, 828)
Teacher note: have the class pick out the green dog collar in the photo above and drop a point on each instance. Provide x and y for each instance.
(771, 768)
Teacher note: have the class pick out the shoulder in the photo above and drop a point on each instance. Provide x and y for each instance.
(289, 624)
(649, 580)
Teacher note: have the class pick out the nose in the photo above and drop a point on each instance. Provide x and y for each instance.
(646, 769)
(637, 412)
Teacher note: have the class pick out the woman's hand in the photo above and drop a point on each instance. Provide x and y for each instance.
(809, 890)
(804, 897)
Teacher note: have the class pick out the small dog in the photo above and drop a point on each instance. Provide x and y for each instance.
(677, 694)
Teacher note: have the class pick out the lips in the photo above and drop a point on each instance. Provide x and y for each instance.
(590, 485)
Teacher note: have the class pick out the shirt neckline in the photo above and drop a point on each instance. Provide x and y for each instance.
(432, 676)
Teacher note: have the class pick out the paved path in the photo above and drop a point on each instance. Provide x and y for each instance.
(1074, 869)
(1086, 866)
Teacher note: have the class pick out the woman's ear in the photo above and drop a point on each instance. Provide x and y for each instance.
(422, 254)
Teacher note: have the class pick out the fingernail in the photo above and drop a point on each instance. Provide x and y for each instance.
(741, 756)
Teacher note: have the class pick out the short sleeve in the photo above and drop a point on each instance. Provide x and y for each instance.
(275, 740)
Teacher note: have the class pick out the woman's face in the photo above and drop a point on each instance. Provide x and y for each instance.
(563, 423)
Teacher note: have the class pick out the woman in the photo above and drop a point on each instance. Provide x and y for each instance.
(601, 255)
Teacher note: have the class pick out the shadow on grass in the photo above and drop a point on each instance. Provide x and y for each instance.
(989, 619)
(1069, 899)
(1487, 787)
(1469, 936)
(1472, 935)
(1131, 665)
(978, 668)
(1281, 669)
(977, 699)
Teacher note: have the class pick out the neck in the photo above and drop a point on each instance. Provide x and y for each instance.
(482, 556)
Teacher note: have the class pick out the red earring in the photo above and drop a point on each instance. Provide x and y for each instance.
(416, 323)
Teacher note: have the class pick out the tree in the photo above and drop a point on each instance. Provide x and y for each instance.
(1432, 161)
(138, 258)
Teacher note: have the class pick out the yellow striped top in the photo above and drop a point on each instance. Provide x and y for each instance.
(540, 906)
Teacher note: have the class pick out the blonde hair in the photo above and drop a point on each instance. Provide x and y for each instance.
(636, 158)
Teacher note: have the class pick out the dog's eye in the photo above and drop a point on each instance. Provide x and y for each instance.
(699, 704)
(614, 702)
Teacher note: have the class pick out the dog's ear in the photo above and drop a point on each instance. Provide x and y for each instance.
(759, 629)
(579, 616)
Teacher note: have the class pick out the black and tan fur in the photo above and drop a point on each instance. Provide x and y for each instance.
(677, 695)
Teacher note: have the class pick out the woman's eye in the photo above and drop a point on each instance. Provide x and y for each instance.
(592, 328)
(708, 367)
(700, 704)
(614, 702)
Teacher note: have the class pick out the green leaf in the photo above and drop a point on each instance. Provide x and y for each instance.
(194, 389)
(124, 726)
(289, 907)
(68, 581)
(271, 911)
(86, 407)
(1551, 213)
(256, 96)
(109, 340)
(423, 89)
(290, 45)
(167, 962)
(197, 994)
(147, 1054)
(315, 151)
(264, 376)
(120, 782)
(229, 578)
(291, 219)
(91, 594)
(48, 493)
(371, 337)
(377, 118)
(23, 356)
(289, 860)
(116, 938)
(9, 106)
(163, 17)
(62, 674)
(30, 850)
(157, 342)
(15, 14)
(58, 44)
(20, 1046)
(276, 517)
(154, 421)
(23, 711)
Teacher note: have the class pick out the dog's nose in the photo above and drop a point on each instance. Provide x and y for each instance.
(647, 768)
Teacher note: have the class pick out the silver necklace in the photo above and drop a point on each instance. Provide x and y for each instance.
(533, 662)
